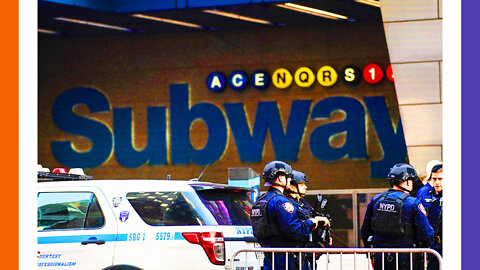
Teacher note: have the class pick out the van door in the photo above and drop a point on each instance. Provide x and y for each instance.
(76, 229)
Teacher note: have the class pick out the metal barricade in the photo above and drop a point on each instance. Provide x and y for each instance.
(351, 263)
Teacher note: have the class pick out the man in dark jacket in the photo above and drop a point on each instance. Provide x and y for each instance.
(432, 199)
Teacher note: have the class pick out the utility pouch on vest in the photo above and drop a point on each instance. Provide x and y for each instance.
(259, 220)
(388, 216)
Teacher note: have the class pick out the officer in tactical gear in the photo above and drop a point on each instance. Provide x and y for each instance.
(275, 220)
(431, 197)
(295, 192)
(397, 220)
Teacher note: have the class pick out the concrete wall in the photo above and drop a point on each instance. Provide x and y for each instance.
(413, 29)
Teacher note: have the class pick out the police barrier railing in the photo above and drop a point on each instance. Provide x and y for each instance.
(366, 253)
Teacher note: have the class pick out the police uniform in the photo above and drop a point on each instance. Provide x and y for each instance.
(396, 229)
(302, 211)
(278, 222)
(305, 205)
(433, 205)
(306, 211)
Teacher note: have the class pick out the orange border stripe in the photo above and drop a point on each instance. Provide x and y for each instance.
(9, 110)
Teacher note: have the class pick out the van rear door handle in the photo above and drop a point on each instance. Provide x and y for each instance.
(93, 240)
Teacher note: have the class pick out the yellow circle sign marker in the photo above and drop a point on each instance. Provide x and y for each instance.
(304, 77)
(282, 78)
(327, 76)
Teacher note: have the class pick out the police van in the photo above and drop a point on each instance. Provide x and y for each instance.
(141, 224)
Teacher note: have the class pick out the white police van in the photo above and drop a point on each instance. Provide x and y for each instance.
(141, 224)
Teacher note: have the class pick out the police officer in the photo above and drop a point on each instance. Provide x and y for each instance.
(397, 220)
(295, 192)
(275, 220)
(432, 198)
(427, 186)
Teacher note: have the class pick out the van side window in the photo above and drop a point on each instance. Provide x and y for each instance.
(95, 217)
(164, 208)
(68, 210)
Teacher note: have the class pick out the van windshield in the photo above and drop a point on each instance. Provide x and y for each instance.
(228, 206)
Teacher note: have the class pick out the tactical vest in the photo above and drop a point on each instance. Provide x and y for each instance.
(388, 217)
(303, 213)
(259, 218)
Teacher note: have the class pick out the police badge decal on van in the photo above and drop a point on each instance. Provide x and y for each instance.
(116, 201)
(123, 216)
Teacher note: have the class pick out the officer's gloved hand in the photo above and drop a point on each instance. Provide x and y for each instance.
(318, 219)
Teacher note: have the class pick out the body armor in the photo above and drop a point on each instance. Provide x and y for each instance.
(388, 216)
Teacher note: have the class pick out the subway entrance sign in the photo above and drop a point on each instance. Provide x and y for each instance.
(144, 109)
(231, 118)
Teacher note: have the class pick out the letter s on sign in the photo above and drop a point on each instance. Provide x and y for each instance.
(98, 133)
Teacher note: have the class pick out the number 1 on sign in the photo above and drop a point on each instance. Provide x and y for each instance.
(372, 73)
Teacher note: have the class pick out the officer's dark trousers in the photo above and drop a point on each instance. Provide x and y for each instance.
(280, 261)
(389, 260)
(307, 261)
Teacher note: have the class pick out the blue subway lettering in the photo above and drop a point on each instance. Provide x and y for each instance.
(182, 116)
(392, 142)
(353, 126)
(155, 153)
(249, 137)
(95, 131)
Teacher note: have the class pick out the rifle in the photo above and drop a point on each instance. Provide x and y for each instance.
(320, 209)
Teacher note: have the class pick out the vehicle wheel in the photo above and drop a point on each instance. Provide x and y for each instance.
(122, 267)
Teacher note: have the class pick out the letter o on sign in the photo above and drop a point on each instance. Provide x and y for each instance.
(304, 77)
(216, 81)
(372, 73)
(238, 80)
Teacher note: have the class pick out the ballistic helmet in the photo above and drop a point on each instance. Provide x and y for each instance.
(299, 177)
(400, 173)
(275, 168)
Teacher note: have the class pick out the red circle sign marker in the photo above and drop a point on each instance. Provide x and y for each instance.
(372, 73)
(390, 73)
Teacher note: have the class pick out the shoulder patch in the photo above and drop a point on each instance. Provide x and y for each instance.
(422, 209)
(288, 206)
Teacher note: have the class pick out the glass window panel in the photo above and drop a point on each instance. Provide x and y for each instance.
(229, 207)
(62, 210)
(363, 200)
(164, 208)
(95, 217)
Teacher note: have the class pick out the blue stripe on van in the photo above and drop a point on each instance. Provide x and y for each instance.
(80, 238)
(178, 236)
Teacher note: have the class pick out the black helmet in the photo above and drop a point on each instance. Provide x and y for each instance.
(400, 173)
(273, 169)
(299, 177)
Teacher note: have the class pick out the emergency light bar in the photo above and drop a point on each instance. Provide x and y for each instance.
(60, 174)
